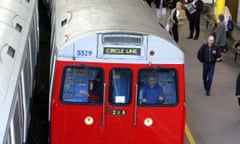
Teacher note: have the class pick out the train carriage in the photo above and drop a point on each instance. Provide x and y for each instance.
(19, 45)
(116, 75)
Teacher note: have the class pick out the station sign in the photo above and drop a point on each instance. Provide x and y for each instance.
(122, 51)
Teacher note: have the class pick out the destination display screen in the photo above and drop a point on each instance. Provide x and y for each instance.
(122, 51)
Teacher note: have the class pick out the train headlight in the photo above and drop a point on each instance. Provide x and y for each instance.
(88, 120)
(148, 122)
(151, 53)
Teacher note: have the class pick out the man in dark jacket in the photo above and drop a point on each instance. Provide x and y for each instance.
(194, 18)
(208, 55)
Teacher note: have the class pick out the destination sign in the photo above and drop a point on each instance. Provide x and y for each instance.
(122, 51)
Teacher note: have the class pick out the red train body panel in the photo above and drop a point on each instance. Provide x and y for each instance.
(109, 124)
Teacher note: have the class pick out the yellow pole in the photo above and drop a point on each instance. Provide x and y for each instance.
(219, 7)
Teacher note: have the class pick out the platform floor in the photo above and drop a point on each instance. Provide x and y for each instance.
(211, 119)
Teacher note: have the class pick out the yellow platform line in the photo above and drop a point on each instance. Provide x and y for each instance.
(189, 135)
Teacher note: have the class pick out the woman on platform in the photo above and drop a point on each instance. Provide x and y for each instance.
(176, 18)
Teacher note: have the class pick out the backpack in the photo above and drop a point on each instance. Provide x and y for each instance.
(229, 25)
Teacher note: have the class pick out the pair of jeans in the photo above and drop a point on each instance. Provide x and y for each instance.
(208, 72)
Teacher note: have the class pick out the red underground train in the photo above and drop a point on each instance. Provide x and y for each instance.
(117, 77)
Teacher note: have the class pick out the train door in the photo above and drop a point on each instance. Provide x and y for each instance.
(119, 105)
(160, 115)
(76, 110)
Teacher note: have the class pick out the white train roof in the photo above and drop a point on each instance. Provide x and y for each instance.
(14, 27)
(77, 19)
(80, 17)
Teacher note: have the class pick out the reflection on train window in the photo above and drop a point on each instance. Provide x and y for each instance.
(157, 87)
(82, 85)
(120, 86)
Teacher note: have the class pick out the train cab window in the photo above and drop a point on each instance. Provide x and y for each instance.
(157, 87)
(120, 86)
(82, 85)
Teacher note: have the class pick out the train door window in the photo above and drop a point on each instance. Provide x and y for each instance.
(157, 87)
(82, 85)
(120, 86)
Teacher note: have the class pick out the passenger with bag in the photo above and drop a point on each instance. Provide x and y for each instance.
(228, 19)
(221, 36)
(230, 25)
(176, 19)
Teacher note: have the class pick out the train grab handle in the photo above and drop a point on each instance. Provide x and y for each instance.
(103, 108)
(135, 108)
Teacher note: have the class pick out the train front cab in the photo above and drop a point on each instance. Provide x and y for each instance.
(102, 102)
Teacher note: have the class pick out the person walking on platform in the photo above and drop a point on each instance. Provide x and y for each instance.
(221, 38)
(208, 55)
(176, 17)
(227, 19)
(194, 9)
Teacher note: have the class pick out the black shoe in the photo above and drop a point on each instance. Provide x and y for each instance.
(189, 37)
(208, 93)
(195, 38)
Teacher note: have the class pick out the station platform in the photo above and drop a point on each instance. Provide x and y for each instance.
(211, 119)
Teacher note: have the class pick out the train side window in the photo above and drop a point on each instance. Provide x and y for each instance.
(82, 85)
(157, 87)
(120, 86)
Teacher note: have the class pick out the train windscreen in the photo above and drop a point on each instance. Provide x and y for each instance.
(82, 85)
(157, 87)
(120, 86)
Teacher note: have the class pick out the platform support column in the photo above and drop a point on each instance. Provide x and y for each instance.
(219, 7)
